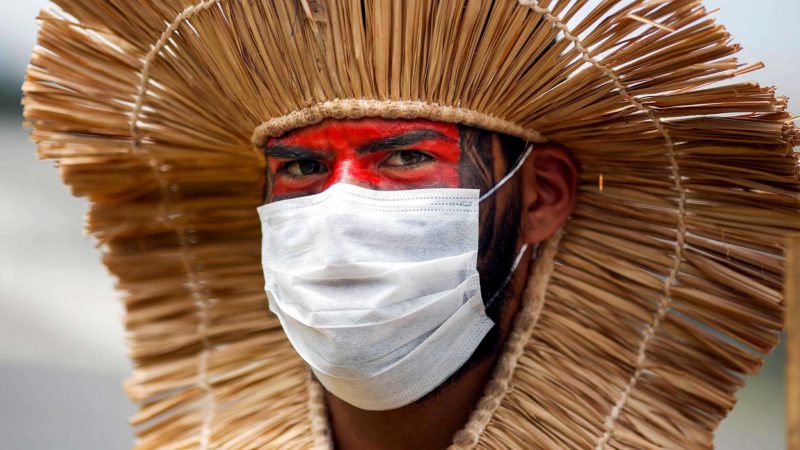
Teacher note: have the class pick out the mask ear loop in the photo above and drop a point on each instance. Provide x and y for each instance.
(524, 248)
(510, 275)
(517, 166)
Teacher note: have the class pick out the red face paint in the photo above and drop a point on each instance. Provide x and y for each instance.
(372, 153)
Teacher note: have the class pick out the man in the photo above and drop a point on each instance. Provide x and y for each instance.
(417, 154)
(425, 286)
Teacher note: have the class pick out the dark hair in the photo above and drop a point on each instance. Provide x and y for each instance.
(497, 243)
(478, 165)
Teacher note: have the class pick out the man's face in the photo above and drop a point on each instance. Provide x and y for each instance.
(371, 153)
(408, 154)
(413, 154)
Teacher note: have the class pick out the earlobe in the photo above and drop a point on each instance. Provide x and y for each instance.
(548, 192)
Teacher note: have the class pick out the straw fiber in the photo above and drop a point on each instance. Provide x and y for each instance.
(664, 288)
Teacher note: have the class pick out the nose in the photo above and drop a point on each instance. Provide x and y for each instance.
(349, 172)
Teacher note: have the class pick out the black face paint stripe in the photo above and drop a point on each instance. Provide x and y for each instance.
(403, 140)
(288, 152)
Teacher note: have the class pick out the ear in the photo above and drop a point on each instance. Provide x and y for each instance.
(548, 191)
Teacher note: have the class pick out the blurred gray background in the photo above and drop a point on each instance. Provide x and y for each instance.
(62, 353)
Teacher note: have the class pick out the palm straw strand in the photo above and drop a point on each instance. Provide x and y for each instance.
(666, 299)
(524, 324)
(187, 13)
(792, 292)
(318, 414)
(202, 301)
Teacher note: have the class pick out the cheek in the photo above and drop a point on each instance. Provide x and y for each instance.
(435, 174)
(368, 171)
(450, 176)
(283, 189)
(444, 170)
(284, 186)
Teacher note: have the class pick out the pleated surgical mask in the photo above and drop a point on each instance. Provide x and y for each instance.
(378, 291)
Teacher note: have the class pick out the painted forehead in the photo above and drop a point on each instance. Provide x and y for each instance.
(359, 132)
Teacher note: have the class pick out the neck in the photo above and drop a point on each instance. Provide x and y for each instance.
(428, 424)
(431, 423)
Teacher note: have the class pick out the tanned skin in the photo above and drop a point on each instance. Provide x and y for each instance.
(416, 154)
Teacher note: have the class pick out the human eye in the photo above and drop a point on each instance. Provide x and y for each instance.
(302, 168)
(406, 159)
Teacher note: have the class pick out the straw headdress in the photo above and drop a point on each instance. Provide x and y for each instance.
(641, 316)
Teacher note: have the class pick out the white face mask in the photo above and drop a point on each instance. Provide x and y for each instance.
(378, 291)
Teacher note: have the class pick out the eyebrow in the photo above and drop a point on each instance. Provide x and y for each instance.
(290, 152)
(402, 140)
